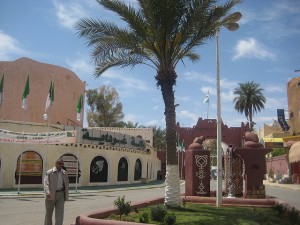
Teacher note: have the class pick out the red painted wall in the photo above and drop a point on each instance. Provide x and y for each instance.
(278, 164)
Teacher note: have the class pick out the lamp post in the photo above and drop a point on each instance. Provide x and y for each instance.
(230, 23)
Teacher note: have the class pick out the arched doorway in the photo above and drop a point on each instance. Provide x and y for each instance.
(70, 165)
(98, 170)
(138, 170)
(31, 165)
(123, 170)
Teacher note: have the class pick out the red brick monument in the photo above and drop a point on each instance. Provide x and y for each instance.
(197, 169)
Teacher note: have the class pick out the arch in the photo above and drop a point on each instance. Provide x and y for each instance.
(31, 168)
(98, 169)
(123, 170)
(138, 170)
(70, 165)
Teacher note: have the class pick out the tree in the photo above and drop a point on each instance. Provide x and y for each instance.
(158, 33)
(105, 107)
(159, 138)
(249, 99)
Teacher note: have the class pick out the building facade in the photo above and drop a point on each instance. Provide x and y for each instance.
(293, 96)
(119, 158)
(30, 145)
(67, 88)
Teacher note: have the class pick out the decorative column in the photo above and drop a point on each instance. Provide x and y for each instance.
(233, 173)
(197, 169)
(253, 154)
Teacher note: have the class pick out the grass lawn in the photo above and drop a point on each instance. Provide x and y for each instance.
(201, 214)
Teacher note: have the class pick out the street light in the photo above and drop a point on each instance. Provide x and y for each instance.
(230, 23)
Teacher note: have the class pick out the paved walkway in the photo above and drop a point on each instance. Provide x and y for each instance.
(38, 192)
(295, 187)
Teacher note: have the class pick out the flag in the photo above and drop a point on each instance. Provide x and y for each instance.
(179, 145)
(206, 99)
(182, 146)
(79, 107)
(1, 89)
(50, 97)
(25, 94)
(177, 142)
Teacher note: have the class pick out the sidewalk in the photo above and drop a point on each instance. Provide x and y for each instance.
(38, 192)
(81, 191)
(295, 187)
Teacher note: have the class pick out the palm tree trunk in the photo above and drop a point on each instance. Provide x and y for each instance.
(250, 118)
(172, 189)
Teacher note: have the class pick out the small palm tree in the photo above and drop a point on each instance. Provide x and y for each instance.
(159, 33)
(159, 138)
(249, 99)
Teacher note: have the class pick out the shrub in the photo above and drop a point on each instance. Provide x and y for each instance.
(144, 218)
(122, 206)
(170, 218)
(158, 212)
(293, 216)
(280, 209)
(271, 173)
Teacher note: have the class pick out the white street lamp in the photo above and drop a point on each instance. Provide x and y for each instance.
(230, 23)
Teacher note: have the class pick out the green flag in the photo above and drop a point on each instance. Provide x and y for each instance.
(50, 97)
(177, 142)
(25, 94)
(182, 148)
(79, 107)
(1, 89)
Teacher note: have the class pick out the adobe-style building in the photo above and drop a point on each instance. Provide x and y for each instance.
(67, 88)
(29, 145)
(208, 129)
(293, 96)
(285, 135)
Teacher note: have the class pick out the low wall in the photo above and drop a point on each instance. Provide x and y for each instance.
(279, 166)
(98, 217)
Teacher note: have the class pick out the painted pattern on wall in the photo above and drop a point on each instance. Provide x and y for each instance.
(31, 168)
(98, 170)
(70, 165)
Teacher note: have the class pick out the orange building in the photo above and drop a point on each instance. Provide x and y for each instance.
(67, 88)
(293, 92)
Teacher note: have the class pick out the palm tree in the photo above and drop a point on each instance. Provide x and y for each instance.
(249, 99)
(159, 138)
(159, 33)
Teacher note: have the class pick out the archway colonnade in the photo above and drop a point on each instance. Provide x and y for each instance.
(103, 166)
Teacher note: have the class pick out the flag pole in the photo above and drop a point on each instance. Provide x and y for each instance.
(21, 156)
(207, 109)
(78, 110)
(24, 106)
(2, 92)
(49, 101)
(182, 154)
(207, 104)
(47, 118)
(77, 169)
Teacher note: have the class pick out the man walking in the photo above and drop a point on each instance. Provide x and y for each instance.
(56, 187)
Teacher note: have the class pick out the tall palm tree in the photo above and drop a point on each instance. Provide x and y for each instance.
(159, 33)
(249, 99)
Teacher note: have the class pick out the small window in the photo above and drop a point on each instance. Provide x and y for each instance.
(298, 84)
